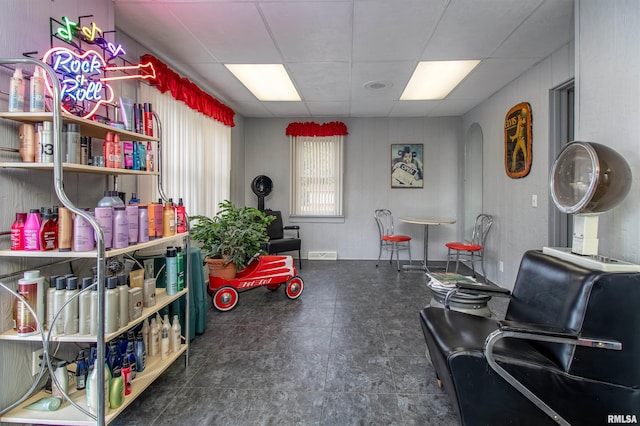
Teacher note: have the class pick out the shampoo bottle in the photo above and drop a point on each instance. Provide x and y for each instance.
(154, 338)
(65, 229)
(84, 307)
(28, 288)
(123, 298)
(58, 301)
(171, 272)
(168, 220)
(27, 136)
(111, 306)
(48, 232)
(93, 325)
(164, 341)
(32, 230)
(180, 267)
(143, 223)
(120, 227)
(132, 217)
(36, 91)
(175, 335)
(71, 309)
(17, 232)
(141, 351)
(181, 218)
(81, 370)
(50, 304)
(16, 92)
(83, 235)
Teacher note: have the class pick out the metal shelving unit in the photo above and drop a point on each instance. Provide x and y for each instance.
(74, 411)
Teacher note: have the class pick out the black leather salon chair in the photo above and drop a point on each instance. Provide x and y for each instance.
(278, 242)
(567, 352)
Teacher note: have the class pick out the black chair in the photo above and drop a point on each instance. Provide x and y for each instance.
(567, 352)
(278, 243)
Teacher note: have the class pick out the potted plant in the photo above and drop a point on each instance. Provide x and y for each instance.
(231, 238)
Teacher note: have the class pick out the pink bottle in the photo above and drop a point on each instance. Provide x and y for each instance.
(32, 230)
(17, 232)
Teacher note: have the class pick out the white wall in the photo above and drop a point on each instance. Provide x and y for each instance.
(608, 104)
(518, 226)
(367, 181)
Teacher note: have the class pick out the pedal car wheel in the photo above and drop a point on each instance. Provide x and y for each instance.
(225, 299)
(294, 287)
(273, 287)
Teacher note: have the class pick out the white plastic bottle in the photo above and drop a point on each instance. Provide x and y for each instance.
(123, 291)
(164, 341)
(93, 325)
(36, 91)
(51, 291)
(175, 334)
(111, 306)
(84, 307)
(58, 302)
(71, 308)
(16, 92)
(154, 338)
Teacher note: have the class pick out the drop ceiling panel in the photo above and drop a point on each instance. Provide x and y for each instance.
(310, 31)
(331, 48)
(473, 30)
(396, 73)
(393, 30)
(158, 30)
(325, 81)
(229, 32)
(490, 76)
(546, 30)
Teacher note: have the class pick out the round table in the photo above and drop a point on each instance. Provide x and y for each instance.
(426, 221)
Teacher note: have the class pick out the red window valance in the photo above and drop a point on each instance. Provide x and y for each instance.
(182, 89)
(334, 128)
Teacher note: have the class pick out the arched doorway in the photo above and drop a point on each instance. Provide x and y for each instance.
(473, 164)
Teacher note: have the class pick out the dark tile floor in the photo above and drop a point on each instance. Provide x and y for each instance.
(349, 351)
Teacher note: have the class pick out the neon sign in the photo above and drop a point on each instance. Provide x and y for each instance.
(91, 34)
(83, 77)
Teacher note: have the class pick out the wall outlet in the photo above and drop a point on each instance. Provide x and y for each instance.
(501, 266)
(534, 200)
(35, 361)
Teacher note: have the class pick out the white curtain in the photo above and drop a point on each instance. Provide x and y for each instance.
(196, 156)
(316, 176)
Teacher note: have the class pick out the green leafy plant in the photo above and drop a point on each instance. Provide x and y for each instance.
(234, 233)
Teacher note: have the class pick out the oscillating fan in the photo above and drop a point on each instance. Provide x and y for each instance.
(588, 179)
(261, 186)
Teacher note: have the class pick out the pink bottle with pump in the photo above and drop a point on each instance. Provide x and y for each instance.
(32, 230)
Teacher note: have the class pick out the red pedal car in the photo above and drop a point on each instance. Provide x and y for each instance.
(264, 271)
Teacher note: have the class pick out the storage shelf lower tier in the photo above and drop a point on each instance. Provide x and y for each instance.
(91, 254)
(67, 414)
(162, 300)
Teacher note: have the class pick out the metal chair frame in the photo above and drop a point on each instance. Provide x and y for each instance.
(388, 239)
(481, 229)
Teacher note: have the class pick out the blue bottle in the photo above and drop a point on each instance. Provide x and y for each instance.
(171, 271)
(82, 370)
(141, 353)
(130, 354)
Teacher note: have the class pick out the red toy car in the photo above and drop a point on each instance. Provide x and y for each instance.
(264, 271)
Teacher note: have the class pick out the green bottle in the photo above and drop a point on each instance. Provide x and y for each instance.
(180, 264)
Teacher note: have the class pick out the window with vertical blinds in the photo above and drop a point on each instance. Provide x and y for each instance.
(316, 175)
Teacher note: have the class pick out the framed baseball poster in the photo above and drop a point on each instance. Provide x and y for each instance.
(407, 166)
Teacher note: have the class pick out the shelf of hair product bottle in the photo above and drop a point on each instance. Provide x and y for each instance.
(69, 415)
(77, 413)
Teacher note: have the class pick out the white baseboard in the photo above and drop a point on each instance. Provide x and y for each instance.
(322, 255)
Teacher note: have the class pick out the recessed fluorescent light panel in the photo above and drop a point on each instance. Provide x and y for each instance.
(434, 80)
(267, 82)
